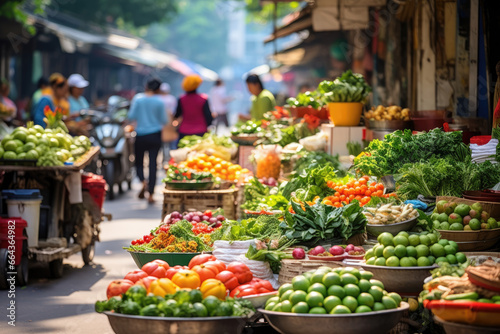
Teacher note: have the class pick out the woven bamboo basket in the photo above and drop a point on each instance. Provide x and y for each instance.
(291, 268)
(469, 241)
(194, 200)
(492, 208)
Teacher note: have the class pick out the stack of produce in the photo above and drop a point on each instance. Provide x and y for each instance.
(215, 166)
(333, 291)
(50, 147)
(248, 128)
(219, 146)
(350, 87)
(390, 214)
(189, 233)
(260, 199)
(175, 174)
(360, 190)
(449, 215)
(388, 113)
(404, 250)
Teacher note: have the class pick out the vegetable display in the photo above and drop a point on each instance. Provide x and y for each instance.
(350, 87)
(449, 215)
(315, 159)
(305, 99)
(312, 182)
(388, 113)
(254, 228)
(405, 250)
(174, 174)
(190, 141)
(247, 128)
(215, 166)
(341, 290)
(390, 214)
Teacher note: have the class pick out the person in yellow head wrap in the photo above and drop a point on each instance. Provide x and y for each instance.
(193, 108)
(54, 96)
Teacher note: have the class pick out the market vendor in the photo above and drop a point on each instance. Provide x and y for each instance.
(77, 101)
(54, 98)
(262, 99)
(194, 109)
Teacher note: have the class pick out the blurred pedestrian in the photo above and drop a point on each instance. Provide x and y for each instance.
(149, 114)
(218, 103)
(169, 133)
(8, 108)
(77, 101)
(55, 97)
(193, 108)
(262, 99)
(41, 85)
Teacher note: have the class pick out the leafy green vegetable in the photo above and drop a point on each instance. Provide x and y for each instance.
(401, 147)
(264, 226)
(190, 141)
(310, 183)
(255, 192)
(249, 127)
(183, 174)
(305, 99)
(323, 222)
(350, 87)
(315, 159)
(272, 252)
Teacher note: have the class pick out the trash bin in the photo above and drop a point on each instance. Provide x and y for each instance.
(25, 203)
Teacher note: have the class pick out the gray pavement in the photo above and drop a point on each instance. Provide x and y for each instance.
(66, 305)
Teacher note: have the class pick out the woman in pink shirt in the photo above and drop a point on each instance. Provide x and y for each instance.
(193, 108)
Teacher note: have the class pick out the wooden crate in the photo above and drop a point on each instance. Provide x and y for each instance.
(200, 200)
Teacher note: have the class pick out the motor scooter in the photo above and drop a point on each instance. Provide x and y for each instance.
(116, 158)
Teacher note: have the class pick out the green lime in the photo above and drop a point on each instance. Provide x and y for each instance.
(386, 239)
(314, 299)
(9, 155)
(401, 240)
(413, 261)
(411, 251)
(350, 302)
(389, 303)
(378, 306)
(449, 250)
(10, 146)
(277, 307)
(433, 238)
(461, 258)
(330, 302)
(379, 250)
(352, 271)
(380, 261)
(300, 307)
(364, 285)
(336, 290)
(451, 259)
(414, 240)
(200, 309)
(6, 139)
(32, 155)
(423, 261)
(436, 224)
(388, 251)
(43, 142)
(377, 293)
(369, 254)
(317, 277)
(456, 227)
(317, 310)
(366, 275)
(340, 309)
(392, 261)
(32, 139)
(422, 250)
(21, 156)
(438, 250)
(371, 261)
(432, 259)
(21, 135)
(400, 251)
(362, 309)
(286, 295)
(444, 226)
(298, 296)
(19, 150)
(308, 275)
(331, 279)
(443, 242)
(318, 287)
(453, 244)
(28, 147)
(404, 234)
(397, 298)
(53, 142)
(378, 283)
(366, 299)
(286, 306)
(405, 262)
(212, 303)
(348, 279)
(325, 269)
(352, 290)
(274, 300)
(300, 283)
(441, 259)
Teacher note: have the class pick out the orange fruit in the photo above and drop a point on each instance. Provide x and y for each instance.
(218, 167)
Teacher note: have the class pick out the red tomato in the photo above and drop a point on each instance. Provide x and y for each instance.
(208, 213)
(205, 272)
(241, 271)
(228, 279)
(146, 281)
(219, 264)
(117, 287)
(261, 285)
(157, 268)
(200, 259)
(243, 290)
(136, 275)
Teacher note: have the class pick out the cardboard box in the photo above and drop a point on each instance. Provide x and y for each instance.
(339, 136)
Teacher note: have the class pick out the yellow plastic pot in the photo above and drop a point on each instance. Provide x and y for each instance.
(345, 113)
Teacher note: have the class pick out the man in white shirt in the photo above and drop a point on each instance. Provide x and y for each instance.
(218, 103)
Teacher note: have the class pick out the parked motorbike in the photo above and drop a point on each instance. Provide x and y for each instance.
(116, 159)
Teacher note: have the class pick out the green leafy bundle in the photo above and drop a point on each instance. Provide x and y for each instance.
(305, 99)
(401, 147)
(323, 222)
(182, 230)
(190, 141)
(265, 226)
(310, 183)
(255, 194)
(315, 159)
(350, 87)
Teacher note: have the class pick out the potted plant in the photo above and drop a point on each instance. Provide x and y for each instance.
(345, 97)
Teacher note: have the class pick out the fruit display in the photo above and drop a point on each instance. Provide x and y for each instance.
(340, 290)
(404, 250)
(215, 166)
(381, 113)
(50, 147)
(247, 128)
(178, 233)
(219, 146)
(336, 253)
(361, 190)
(461, 217)
(390, 214)
(175, 174)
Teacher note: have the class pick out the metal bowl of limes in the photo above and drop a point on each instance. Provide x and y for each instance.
(354, 323)
(392, 228)
(407, 281)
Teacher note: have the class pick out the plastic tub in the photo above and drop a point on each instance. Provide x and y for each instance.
(472, 313)
(345, 113)
(25, 203)
(96, 186)
(18, 225)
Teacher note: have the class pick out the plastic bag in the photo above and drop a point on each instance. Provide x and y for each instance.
(315, 143)
(268, 161)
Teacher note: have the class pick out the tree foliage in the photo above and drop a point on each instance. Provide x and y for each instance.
(14, 10)
(263, 13)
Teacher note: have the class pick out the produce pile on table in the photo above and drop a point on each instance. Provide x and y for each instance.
(412, 250)
(388, 113)
(50, 147)
(175, 174)
(215, 166)
(390, 214)
(341, 290)
(219, 146)
(350, 87)
(449, 215)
